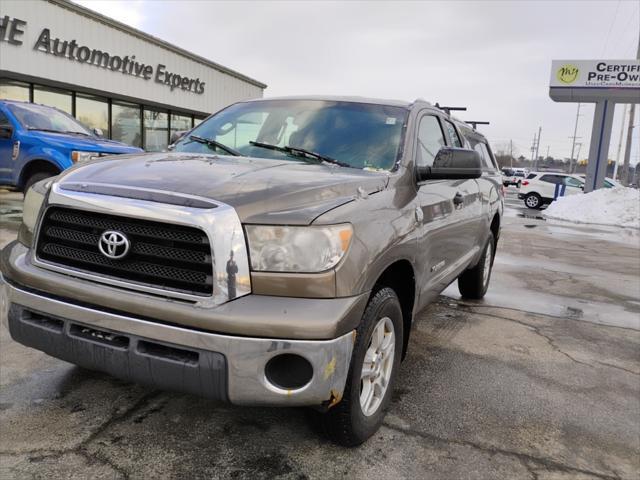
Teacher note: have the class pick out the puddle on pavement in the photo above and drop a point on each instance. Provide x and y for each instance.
(556, 306)
(10, 209)
(531, 216)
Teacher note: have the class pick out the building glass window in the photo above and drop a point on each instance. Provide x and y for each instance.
(180, 122)
(126, 125)
(198, 120)
(93, 112)
(156, 130)
(53, 98)
(10, 90)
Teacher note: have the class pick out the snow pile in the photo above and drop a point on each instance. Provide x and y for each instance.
(607, 206)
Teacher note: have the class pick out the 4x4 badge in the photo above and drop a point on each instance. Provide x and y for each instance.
(114, 244)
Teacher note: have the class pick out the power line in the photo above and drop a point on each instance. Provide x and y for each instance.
(615, 16)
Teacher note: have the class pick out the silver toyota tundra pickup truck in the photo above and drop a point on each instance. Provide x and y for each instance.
(276, 255)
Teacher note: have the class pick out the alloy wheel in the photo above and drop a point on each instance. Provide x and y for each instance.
(377, 366)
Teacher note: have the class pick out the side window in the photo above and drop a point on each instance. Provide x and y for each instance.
(430, 140)
(492, 159)
(530, 176)
(555, 179)
(453, 135)
(4, 121)
(481, 148)
(572, 182)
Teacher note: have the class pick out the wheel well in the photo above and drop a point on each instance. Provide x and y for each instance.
(400, 277)
(495, 229)
(37, 166)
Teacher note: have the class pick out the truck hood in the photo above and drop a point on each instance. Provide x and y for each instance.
(83, 143)
(261, 190)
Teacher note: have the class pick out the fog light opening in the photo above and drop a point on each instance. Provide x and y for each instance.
(288, 371)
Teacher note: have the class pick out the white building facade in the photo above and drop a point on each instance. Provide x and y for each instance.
(134, 87)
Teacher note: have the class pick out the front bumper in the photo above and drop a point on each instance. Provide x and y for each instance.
(217, 366)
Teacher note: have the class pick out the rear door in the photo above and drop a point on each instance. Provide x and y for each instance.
(446, 212)
(550, 186)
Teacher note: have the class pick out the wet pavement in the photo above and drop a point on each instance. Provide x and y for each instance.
(539, 380)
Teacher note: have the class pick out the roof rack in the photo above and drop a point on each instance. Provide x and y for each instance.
(475, 123)
(448, 110)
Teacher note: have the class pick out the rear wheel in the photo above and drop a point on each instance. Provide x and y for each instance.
(474, 282)
(533, 200)
(372, 372)
(35, 178)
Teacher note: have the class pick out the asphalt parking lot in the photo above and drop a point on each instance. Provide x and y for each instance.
(539, 380)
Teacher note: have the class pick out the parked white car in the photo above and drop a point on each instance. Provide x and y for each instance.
(608, 182)
(542, 188)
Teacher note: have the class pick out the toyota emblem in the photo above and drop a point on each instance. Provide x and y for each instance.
(114, 244)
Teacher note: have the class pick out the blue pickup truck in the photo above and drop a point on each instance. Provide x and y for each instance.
(37, 142)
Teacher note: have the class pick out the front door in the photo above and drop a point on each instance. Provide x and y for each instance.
(449, 212)
(6, 149)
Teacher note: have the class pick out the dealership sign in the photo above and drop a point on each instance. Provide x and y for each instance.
(595, 73)
(12, 31)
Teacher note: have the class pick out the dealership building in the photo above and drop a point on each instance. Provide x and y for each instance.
(134, 87)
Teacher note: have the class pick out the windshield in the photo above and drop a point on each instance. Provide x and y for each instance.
(39, 117)
(353, 134)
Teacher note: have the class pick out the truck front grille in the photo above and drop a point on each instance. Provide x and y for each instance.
(161, 255)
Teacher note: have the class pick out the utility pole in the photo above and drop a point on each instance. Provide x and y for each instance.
(624, 179)
(511, 152)
(533, 149)
(615, 168)
(627, 152)
(538, 146)
(573, 144)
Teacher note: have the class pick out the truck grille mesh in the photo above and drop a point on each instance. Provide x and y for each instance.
(161, 255)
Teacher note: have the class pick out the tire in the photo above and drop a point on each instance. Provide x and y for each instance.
(36, 177)
(348, 423)
(533, 201)
(474, 282)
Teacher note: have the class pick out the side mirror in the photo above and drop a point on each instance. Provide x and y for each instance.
(452, 164)
(6, 132)
(177, 135)
(98, 132)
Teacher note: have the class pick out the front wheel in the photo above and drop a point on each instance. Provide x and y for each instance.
(372, 372)
(474, 282)
(35, 178)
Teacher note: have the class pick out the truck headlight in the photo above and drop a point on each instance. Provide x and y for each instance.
(79, 156)
(33, 200)
(297, 249)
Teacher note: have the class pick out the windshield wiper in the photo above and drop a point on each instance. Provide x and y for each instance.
(301, 152)
(215, 144)
(59, 131)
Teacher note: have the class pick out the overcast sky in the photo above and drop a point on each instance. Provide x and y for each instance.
(493, 57)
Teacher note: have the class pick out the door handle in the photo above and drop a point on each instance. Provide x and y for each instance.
(458, 199)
